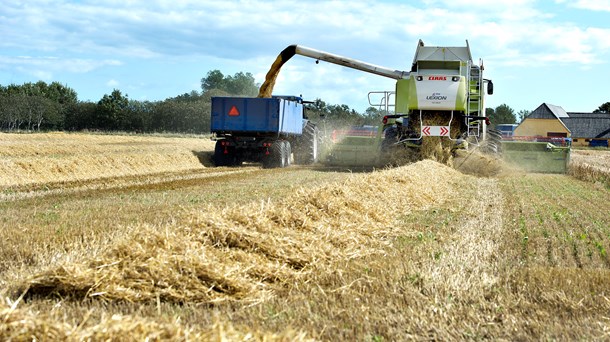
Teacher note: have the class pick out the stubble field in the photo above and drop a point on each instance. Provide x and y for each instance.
(134, 238)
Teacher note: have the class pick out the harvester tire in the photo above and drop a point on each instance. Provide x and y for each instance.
(493, 144)
(495, 133)
(221, 158)
(307, 148)
(390, 138)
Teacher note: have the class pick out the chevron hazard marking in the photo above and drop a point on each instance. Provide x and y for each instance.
(435, 131)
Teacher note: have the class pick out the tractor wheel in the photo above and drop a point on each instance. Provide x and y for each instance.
(287, 153)
(220, 157)
(307, 147)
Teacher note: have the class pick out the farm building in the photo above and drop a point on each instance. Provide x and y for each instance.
(592, 129)
(585, 129)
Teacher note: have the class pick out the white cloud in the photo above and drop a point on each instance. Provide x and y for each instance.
(55, 64)
(233, 36)
(593, 5)
(40, 74)
(250, 29)
(112, 83)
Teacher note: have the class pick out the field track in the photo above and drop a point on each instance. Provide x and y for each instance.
(194, 252)
(148, 181)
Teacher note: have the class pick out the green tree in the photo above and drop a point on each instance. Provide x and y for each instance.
(502, 114)
(35, 105)
(111, 111)
(522, 114)
(373, 116)
(81, 115)
(138, 115)
(240, 84)
(343, 114)
(316, 110)
(489, 112)
(214, 80)
(188, 97)
(605, 108)
(339, 115)
(39, 109)
(12, 109)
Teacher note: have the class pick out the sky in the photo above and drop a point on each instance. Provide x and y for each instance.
(553, 51)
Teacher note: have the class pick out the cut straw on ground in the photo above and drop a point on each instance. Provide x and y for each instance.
(245, 253)
(43, 159)
(591, 166)
(22, 325)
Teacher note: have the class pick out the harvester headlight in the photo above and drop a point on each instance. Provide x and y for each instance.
(455, 78)
(419, 78)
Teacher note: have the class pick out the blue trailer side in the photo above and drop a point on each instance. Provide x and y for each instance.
(238, 115)
(598, 143)
(261, 130)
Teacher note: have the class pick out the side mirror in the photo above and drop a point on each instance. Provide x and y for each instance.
(490, 87)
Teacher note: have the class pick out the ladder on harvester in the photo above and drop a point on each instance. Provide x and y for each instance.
(473, 105)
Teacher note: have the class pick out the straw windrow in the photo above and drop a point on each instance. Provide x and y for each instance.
(22, 325)
(246, 252)
(591, 166)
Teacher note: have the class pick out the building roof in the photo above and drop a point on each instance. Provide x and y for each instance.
(588, 125)
(557, 110)
(580, 125)
(549, 111)
(590, 115)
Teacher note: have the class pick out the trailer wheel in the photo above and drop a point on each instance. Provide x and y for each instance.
(277, 155)
(221, 158)
(307, 148)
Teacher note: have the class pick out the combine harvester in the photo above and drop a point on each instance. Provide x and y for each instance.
(439, 104)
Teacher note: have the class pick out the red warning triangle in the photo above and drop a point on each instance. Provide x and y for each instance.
(233, 111)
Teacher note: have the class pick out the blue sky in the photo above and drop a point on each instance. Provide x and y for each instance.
(554, 51)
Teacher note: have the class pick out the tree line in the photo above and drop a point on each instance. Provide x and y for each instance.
(42, 107)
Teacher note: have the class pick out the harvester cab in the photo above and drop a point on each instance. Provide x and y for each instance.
(439, 102)
(444, 93)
